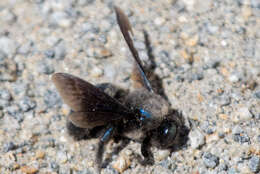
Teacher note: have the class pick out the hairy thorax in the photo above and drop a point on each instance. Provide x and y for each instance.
(152, 103)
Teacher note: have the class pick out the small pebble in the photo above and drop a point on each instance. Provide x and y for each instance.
(190, 4)
(89, 27)
(159, 21)
(51, 99)
(257, 116)
(45, 67)
(164, 54)
(85, 2)
(197, 139)
(20, 88)
(223, 167)
(2, 57)
(8, 16)
(105, 25)
(7, 46)
(210, 160)
(60, 51)
(122, 163)
(39, 154)
(61, 157)
(237, 130)
(8, 70)
(52, 40)
(223, 100)
(102, 53)
(5, 94)
(221, 135)
(197, 76)
(257, 94)
(212, 29)
(54, 166)
(92, 147)
(242, 114)
(29, 170)
(223, 116)
(110, 170)
(9, 146)
(159, 169)
(208, 128)
(212, 64)
(258, 138)
(140, 45)
(239, 135)
(187, 56)
(234, 78)
(1, 113)
(233, 171)
(96, 72)
(168, 165)
(27, 104)
(161, 154)
(246, 12)
(105, 53)
(25, 48)
(192, 41)
(15, 166)
(255, 3)
(64, 169)
(50, 53)
(102, 38)
(60, 19)
(202, 7)
(254, 164)
(12, 110)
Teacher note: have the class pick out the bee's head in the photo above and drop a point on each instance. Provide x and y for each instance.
(166, 133)
(170, 132)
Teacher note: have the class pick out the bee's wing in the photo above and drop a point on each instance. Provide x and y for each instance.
(125, 27)
(93, 119)
(90, 105)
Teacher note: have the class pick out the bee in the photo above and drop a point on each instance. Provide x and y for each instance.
(102, 111)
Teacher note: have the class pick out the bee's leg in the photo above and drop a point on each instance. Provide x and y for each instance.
(146, 152)
(104, 139)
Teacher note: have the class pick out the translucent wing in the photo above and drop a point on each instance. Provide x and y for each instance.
(125, 27)
(91, 106)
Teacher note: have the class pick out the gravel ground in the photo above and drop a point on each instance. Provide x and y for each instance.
(207, 56)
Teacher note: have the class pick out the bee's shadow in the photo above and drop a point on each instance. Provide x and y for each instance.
(154, 79)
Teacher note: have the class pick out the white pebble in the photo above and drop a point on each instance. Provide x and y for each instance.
(197, 139)
(242, 114)
(96, 72)
(8, 46)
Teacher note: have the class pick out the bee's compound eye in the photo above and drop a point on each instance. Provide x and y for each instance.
(167, 133)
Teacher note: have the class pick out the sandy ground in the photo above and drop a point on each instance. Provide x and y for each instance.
(207, 56)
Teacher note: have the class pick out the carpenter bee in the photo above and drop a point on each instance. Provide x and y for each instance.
(141, 115)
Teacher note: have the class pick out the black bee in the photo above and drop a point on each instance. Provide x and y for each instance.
(141, 115)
